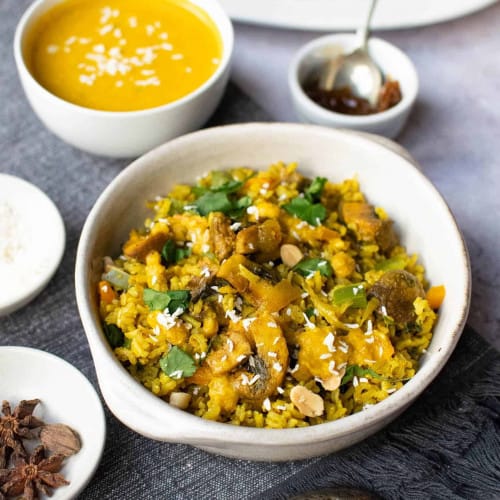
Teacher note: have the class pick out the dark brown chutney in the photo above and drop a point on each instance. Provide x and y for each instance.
(342, 100)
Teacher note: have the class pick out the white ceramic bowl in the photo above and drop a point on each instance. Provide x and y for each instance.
(128, 133)
(392, 62)
(66, 397)
(423, 221)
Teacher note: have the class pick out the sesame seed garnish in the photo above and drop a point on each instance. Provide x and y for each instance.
(272, 354)
(326, 355)
(369, 340)
(272, 324)
(280, 390)
(277, 367)
(276, 340)
(247, 322)
(351, 325)
(52, 49)
(233, 316)
(266, 405)
(254, 379)
(230, 345)
(309, 324)
(355, 381)
(331, 367)
(328, 341)
(240, 358)
(390, 391)
(369, 327)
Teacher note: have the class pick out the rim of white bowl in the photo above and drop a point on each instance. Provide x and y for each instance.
(224, 27)
(408, 98)
(199, 431)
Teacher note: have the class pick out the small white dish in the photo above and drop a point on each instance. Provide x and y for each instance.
(66, 397)
(124, 134)
(32, 242)
(392, 62)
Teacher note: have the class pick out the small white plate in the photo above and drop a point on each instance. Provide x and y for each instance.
(32, 242)
(66, 397)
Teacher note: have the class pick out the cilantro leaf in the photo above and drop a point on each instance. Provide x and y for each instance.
(177, 363)
(239, 206)
(213, 202)
(229, 187)
(173, 300)
(114, 335)
(313, 213)
(168, 251)
(171, 253)
(219, 178)
(354, 294)
(307, 267)
(313, 192)
(357, 371)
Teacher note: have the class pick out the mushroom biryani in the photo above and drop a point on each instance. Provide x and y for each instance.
(267, 299)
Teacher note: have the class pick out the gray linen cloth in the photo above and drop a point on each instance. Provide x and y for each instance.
(445, 446)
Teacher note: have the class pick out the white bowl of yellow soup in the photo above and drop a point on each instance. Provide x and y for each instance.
(120, 77)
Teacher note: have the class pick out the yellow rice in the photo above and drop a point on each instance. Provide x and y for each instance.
(371, 341)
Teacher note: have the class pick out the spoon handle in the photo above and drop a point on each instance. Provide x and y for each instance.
(365, 28)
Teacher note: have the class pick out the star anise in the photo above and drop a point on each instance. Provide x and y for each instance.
(17, 425)
(32, 476)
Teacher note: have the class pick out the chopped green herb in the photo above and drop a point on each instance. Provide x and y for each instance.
(310, 311)
(307, 267)
(313, 213)
(313, 192)
(176, 206)
(219, 178)
(114, 335)
(173, 300)
(391, 264)
(213, 202)
(171, 253)
(177, 363)
(357, 371)
(239, 206)
(354, 295)
(229, 187)
(117, 277)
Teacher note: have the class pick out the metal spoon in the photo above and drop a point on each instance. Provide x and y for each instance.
(356, 70)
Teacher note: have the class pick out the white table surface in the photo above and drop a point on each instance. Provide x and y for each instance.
(453, 132)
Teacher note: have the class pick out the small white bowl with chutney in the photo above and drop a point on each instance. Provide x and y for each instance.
(120, 80)
(394, 65)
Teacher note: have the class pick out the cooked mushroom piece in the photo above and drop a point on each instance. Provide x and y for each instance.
(221, 235)
(397, 290)
(368, 226)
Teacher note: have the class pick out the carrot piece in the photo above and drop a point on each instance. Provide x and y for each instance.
(106, 292)
(435, 296)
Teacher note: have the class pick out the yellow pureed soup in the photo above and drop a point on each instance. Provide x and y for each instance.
(123, 55)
